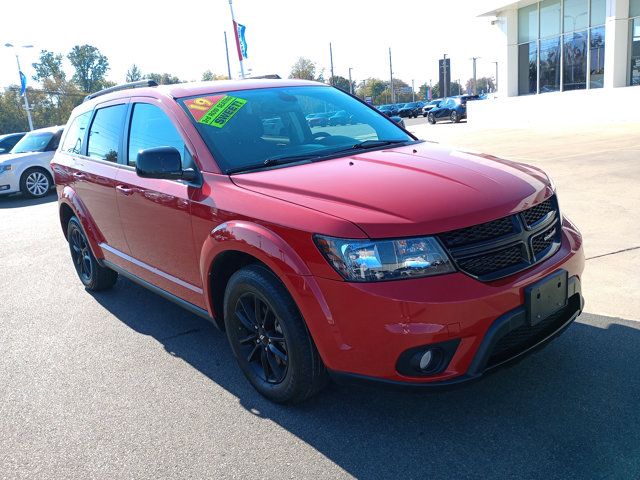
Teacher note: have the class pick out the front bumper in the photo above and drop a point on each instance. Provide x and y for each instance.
(361, 330)
(9, 183)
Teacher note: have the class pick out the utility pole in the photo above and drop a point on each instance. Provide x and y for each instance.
(413, 90)
(496, 85)
(475, 80)
(331, 58)
(26, 100)
(443, 87)
(393, 95)
(350, 82)
(235, 32)
(226, 49)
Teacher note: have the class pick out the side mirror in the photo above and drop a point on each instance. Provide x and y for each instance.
(162, 162)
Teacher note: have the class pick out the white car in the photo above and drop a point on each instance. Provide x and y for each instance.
(26, 168)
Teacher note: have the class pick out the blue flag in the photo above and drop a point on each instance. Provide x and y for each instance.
(241, 40)
(23, 84)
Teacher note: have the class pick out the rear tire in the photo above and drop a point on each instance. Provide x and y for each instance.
(269, 337)
(455, 118)
(431, 119)
(93, 276)
(35, 182)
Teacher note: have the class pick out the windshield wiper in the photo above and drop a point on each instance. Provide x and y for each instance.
(377, 143)
(270, 162)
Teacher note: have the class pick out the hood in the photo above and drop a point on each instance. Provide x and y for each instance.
(27, 156)
(406, 191)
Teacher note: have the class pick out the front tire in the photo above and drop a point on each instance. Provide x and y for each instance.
(93, 276)
(431, 119)
(35, 182)
(269, 338)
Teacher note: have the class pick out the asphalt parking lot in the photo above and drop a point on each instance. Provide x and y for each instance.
(125, 384)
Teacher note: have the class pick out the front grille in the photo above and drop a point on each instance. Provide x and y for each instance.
(526, 336)
(537, 213)
(499, 248)
(483, 264)
(478, 233)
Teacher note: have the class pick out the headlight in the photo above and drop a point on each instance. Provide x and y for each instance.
(376, 260)
(5, 168)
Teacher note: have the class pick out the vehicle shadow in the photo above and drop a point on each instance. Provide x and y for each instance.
(568, 411)
(18, 200)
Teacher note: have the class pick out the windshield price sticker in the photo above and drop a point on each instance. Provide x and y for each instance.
(214, 111)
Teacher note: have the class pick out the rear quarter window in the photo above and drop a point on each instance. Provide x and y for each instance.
(73, 140)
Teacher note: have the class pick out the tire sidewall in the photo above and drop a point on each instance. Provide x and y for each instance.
(74, 224)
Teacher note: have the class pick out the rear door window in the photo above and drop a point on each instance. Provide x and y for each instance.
(106, 132)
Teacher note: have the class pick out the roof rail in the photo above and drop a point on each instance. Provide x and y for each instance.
(124, 86)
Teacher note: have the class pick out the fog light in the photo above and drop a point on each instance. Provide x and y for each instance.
(425, 360)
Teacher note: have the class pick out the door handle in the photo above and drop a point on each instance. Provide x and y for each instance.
(79, 176)
(124, 190)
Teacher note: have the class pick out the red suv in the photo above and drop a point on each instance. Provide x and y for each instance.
(356, 251)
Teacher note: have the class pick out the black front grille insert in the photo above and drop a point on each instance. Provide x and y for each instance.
(502, 247)
(498, 260)
(526, 336)
(534, 214)
(478, 233)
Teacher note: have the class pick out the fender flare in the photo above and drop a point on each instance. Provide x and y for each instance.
(264, 245)
(69, 198)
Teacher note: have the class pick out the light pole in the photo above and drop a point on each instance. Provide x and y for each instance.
(443, 87)
(331, 80)
(393, 95)
(475, 80)
(235, 32)
(350, 82)
(26, 100)
(413, 90)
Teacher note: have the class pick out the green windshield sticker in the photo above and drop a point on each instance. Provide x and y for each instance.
(222, 111)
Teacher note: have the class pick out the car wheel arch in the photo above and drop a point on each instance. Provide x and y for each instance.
(70, 206)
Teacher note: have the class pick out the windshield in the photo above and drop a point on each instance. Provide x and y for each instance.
(33, 142)
(249, 129)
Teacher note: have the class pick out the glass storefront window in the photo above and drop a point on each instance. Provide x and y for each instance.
(574, 65)
(550, 18)
(596, 51)
(528, 23)
(576, 15)
(634, 8)
(550, 65)
(598, 12)
(634, 68)
(528, 68)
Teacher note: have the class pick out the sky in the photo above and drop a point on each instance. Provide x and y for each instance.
(186, 38)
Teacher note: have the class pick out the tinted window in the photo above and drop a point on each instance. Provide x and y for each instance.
(105, 133)
(75, 134)
(245, 128)
(150, 127)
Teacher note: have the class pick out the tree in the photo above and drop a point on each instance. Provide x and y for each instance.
(342, 83)
(304, 69)
(49, 67)
(90, 67)
(209, 76)
(163, 78)
(13, 118)
(454, 89)
(374, 88)
(484, 85)
(133, 74)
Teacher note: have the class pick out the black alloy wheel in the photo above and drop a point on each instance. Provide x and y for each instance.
(263, 344)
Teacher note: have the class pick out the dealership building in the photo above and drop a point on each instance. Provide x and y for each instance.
(568, 55)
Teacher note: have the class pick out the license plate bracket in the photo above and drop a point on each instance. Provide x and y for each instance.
(546, 297)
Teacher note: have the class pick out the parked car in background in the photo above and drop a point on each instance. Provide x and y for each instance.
(318, 119)
(453, 109)
(26, 168)
(398, 120)
(410, 110)
(427, 107)
(8, 141)
(341, 117)
(363, 254)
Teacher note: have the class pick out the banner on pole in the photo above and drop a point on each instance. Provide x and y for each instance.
(241, 42)
(23, 84)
